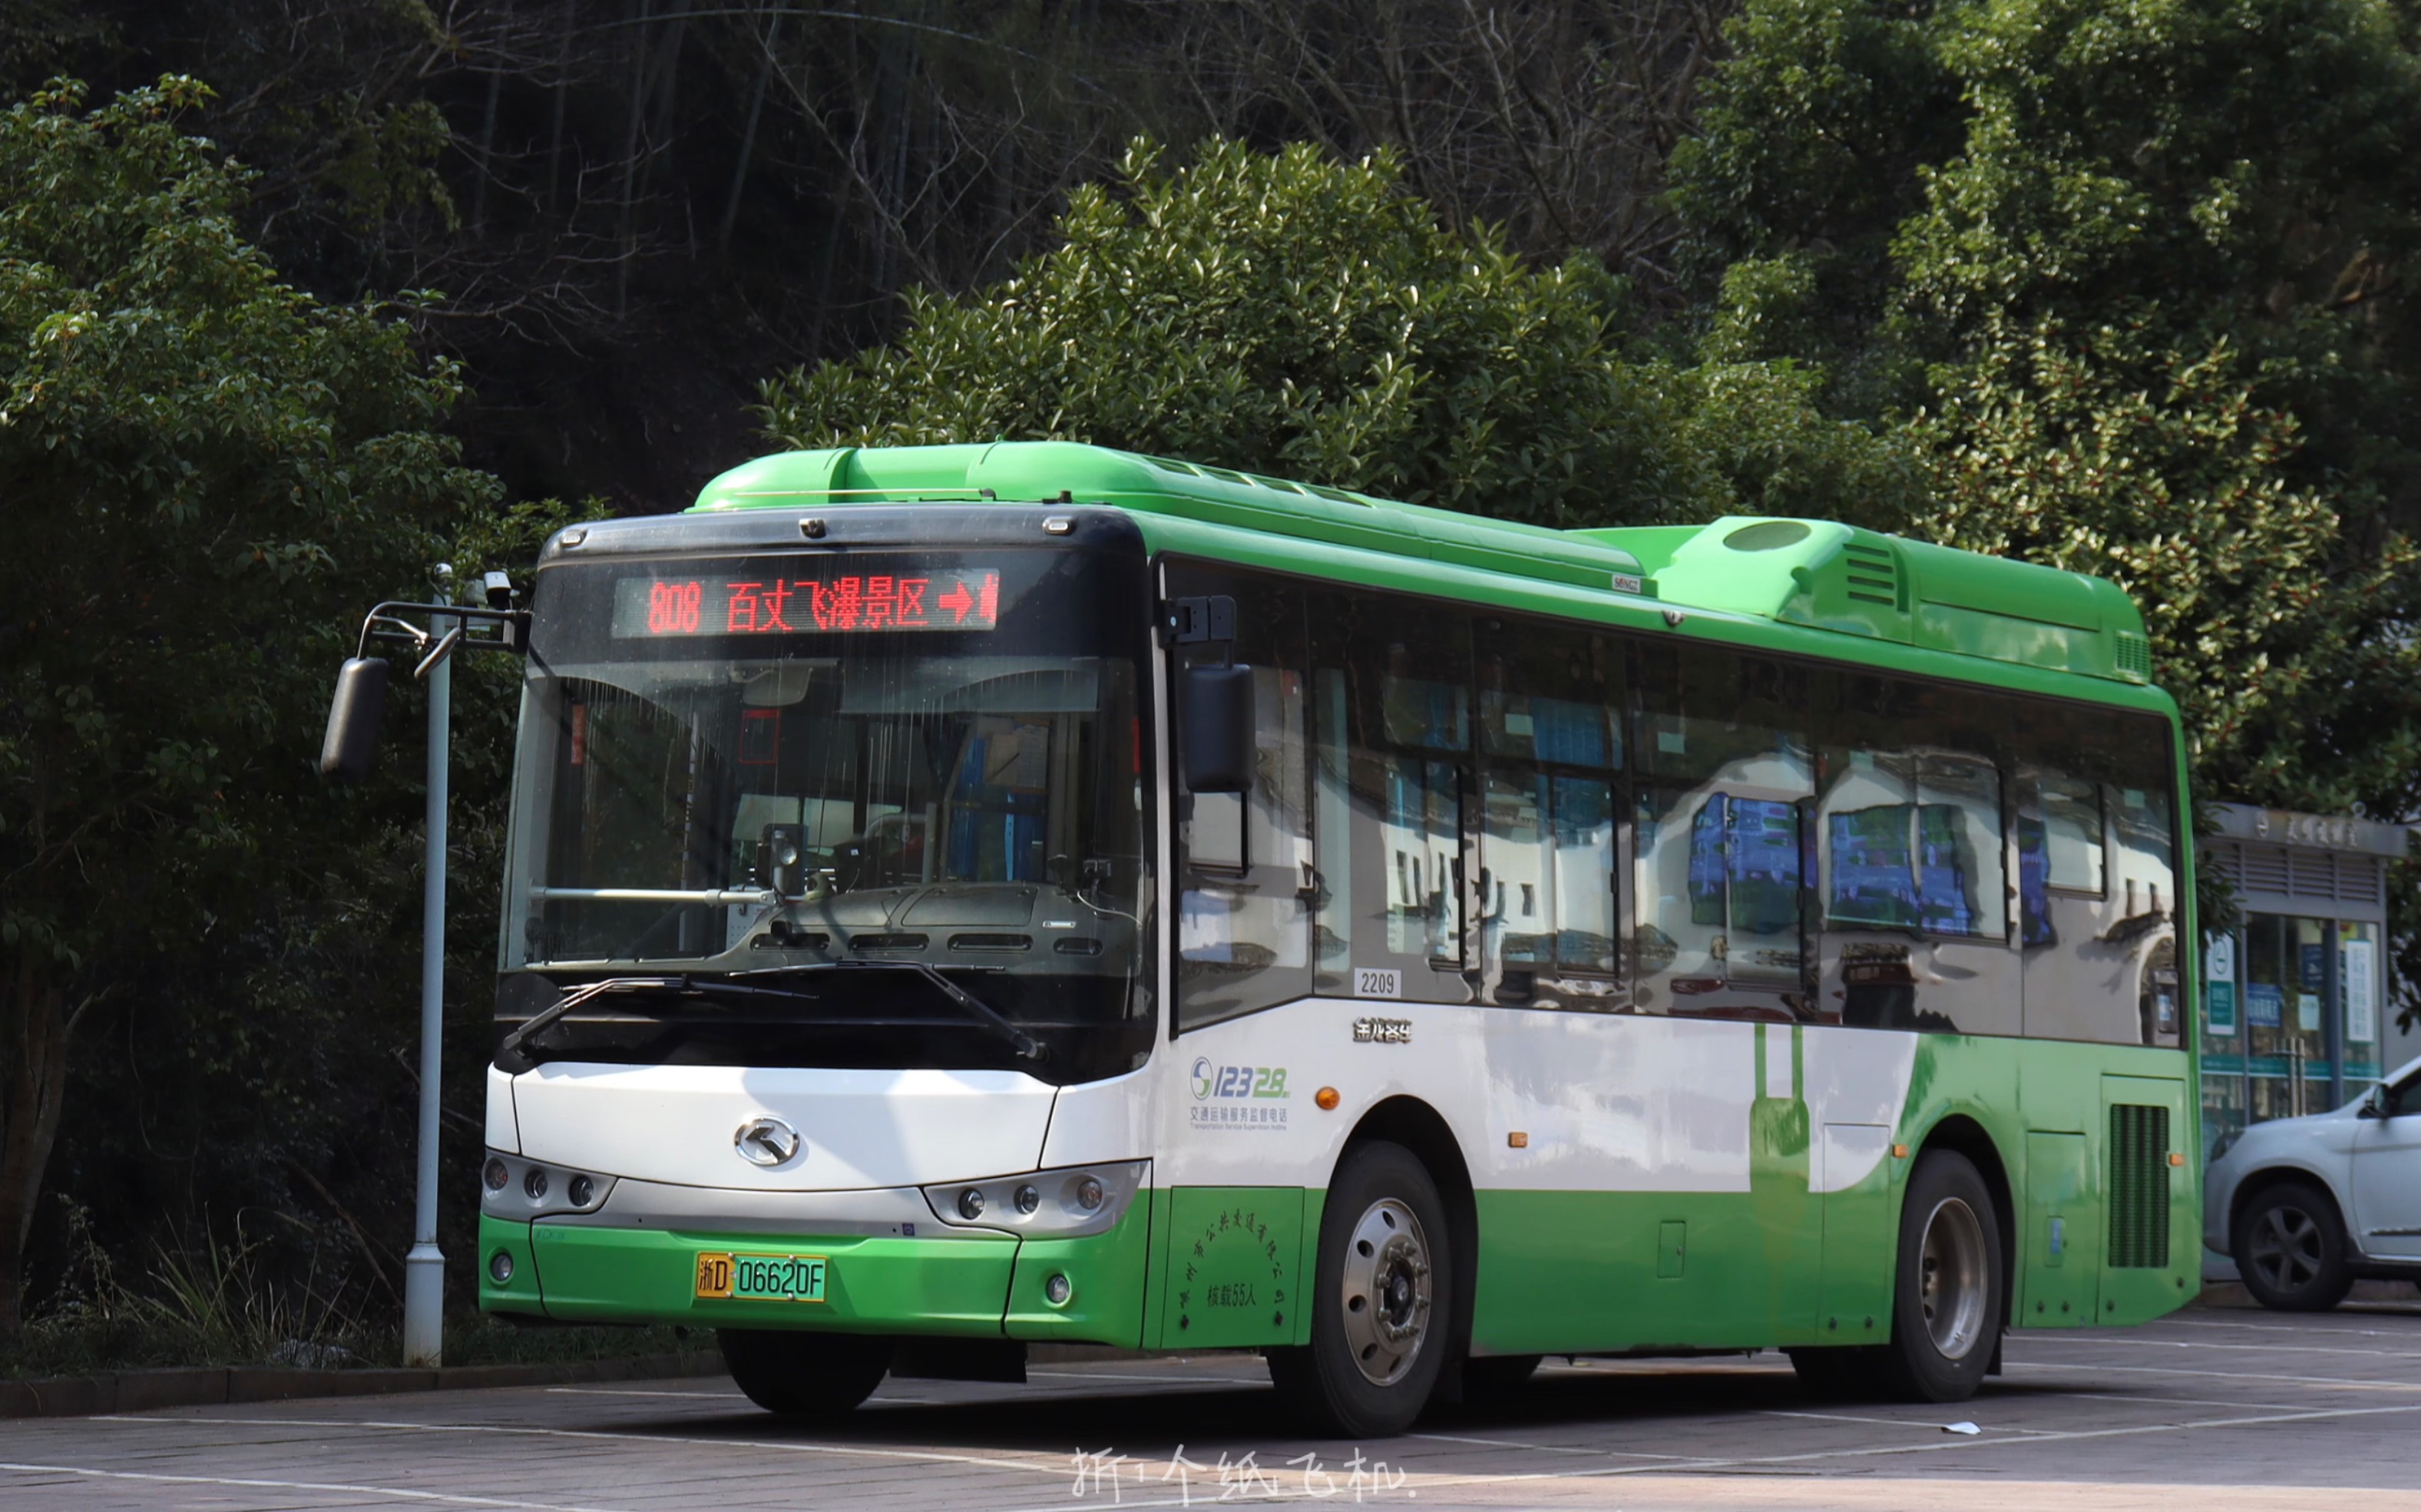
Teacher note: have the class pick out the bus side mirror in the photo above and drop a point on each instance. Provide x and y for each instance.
(1216, 734)
(345, 751)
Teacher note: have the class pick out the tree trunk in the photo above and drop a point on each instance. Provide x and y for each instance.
(34, 1028)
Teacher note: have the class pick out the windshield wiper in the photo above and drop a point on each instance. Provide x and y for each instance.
(687, 986)
(1026, 1045)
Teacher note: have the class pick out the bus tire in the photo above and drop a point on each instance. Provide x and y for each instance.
(1947, 1291)
(814, 1376)
(1382, 1299)
(2291, 1249)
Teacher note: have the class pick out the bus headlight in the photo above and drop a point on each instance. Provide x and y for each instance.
(1066, 1203)
(518, 1190)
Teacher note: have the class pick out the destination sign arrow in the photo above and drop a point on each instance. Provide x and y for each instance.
(958, 600)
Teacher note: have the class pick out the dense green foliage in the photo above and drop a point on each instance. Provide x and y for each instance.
(2123, 288)
(1306, 317)
(2126, 279)
(208, 477)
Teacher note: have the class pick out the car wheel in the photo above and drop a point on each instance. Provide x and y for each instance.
(1947, 1293)
(809, 1376)
(1382, 1293)
(2291, 1249)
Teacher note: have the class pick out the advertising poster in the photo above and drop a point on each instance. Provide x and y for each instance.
(2358, 959)
(2263, 1006)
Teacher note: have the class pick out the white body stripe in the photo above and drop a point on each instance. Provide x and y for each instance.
(1608, 1103)
(1605, 1103)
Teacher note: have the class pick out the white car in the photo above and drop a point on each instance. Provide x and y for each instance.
(2308, 1205)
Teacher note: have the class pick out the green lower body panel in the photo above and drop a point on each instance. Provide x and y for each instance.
(961, 1286)
(877, 1284)
(1234, 1257)
(1569, 1271)
(1106, 1276)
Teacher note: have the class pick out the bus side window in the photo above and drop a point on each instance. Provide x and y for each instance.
(1391, 766)
(1244, 924)
(1913, 859)
(1725, 776)
(2098, 906)
(2060, 847)
(1551, 745)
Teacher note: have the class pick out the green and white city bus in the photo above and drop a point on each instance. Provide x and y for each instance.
(962, 898)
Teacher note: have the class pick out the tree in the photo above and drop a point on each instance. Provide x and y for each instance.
(1299, 315)
(208, 475)
(2138, 300)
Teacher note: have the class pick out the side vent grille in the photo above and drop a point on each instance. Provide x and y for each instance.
(2134, 657)
(1873, 575)
(2139, 1187)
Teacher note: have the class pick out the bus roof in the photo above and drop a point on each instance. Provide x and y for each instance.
(1813, 573)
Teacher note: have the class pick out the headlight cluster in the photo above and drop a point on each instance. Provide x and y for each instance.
(1062, 1204)
(510, 1186)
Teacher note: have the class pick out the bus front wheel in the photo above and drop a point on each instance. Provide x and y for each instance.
(1381, 1299)
(808, 1375)
(1947, 1308)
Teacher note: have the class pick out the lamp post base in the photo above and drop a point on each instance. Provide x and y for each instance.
(424, 1306)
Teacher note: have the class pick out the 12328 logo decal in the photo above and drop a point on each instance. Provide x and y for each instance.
(1237, 1097)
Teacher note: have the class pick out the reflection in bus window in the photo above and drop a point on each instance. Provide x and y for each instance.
(1720, 838)
(2143, 826)
(1933, 864)
(1423, 839)
(1959, 886)
(1914, 866)
(1548, 710)
(1869, 832)
(1390, 739)
(2059, 844)
(1244, 924)
(2072, 820)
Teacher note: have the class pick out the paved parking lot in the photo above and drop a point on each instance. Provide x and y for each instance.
(2212, 1409)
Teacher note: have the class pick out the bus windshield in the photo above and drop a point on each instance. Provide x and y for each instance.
(790, 770)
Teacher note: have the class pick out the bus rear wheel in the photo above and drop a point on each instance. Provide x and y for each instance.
(1381, 1295)
(812, 1377)
(1948, 1291)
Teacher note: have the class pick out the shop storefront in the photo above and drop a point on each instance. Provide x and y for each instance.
(2296, 1009)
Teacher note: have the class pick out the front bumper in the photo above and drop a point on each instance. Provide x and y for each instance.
(961, 1287)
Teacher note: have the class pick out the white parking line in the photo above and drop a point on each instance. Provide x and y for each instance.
(1548, 1448)
(1926, 1424)
(2306, 1330)
(1055, 1464)
(2341, 1382)
(2198, 1344)
(1132, 1376)
(632, 1391)
(259, 1485)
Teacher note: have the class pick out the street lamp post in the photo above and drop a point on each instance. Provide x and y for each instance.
(347, 751)
(424, 1268)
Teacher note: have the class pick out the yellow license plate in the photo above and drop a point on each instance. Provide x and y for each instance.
(775, 1278)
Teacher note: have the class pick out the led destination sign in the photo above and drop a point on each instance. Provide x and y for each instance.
(958, 598)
